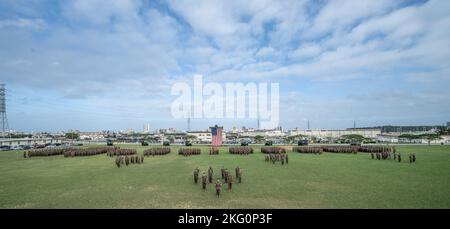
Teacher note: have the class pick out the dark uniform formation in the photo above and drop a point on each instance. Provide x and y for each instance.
(43, 152)
(376, 149)
(273, 150)
(79, 152)
(189, 151)
(308, 149)
(340, 149)
(213, 151)
(226, 176)
(127, 160)
(391, 153)
(157, 151)
(274, 158)
(240, 150)
(116, 151)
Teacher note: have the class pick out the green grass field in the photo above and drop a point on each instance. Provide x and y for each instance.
(308, 181)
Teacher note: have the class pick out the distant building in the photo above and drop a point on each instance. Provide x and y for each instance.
(204, 137)
(448, 124)
(146, 128)
(29, 141)
(367, 133)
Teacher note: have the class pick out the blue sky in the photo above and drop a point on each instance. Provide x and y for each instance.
(109, 65)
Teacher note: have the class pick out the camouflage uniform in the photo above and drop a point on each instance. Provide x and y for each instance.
(210, 174)
(196, 171)
(230, 181)
(240, 176)
(204, 181)
(218, 187)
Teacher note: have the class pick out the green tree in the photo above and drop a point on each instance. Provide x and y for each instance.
(430, 137)
(294, 138)
(171, 138)
(353, 137)
(190, 138)
(259, 138)
(410, 137)
(72, 135)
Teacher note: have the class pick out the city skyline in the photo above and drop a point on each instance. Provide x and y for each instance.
(92, 66)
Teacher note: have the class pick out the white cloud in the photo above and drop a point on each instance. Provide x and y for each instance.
(35, 24)
(127, 49)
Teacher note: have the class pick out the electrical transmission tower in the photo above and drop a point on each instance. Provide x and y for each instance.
(3, 117)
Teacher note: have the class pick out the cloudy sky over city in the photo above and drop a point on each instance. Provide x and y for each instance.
(110, 65)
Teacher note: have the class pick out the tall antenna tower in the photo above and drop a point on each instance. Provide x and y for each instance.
(308, 124)
(3, 117)
(259, 122)
(189, 122)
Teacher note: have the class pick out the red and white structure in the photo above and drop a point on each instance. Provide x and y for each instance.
(216, 136)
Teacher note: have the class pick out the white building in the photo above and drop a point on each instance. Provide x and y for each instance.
(390, 138)
(205, 136)
(28, 141)
(265, 133)
(367, 133)
(146, 128)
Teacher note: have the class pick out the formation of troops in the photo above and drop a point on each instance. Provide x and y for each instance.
(189, 151)
(79, 152)
(43, 152)
(226, 176)
(308, 149)
(213, 151)
(274, 158)
(342, 149)
(127, 160)
(273, 150)
(91, 151)
(157, 151)
(116, 151)
(392, 155)
(376, 149)
(240, 150)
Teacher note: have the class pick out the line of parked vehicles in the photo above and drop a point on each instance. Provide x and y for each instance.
(38, 146)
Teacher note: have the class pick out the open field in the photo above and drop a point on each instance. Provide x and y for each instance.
(308, 181)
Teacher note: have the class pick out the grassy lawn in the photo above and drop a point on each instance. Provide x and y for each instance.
(308, 181)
